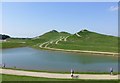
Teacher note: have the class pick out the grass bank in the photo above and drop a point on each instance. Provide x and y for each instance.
(6, 77)
(83, 51)
(12, 45)
(16, 42)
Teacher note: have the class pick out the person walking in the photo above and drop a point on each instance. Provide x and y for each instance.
(72, 71)
(111, 71)
(4, 65)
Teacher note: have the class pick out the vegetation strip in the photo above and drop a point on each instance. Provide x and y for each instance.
(6, 77)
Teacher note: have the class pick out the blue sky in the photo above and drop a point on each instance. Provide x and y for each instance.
(25, 19)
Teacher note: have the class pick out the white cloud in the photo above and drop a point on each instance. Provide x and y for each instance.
(114, 8)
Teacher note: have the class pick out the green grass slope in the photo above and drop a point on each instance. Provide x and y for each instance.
(83, 40)
(49, 36)
(22, 42)
(90, 41)
(16, 78)
(13, 43)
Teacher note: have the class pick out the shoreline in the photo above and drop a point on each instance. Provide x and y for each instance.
(75, 51)
(83, 51)
(64, 72)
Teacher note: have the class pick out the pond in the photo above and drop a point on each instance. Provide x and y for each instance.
(46, 60)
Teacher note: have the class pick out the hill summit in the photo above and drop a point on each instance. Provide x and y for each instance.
(54, 31)
(84, 30)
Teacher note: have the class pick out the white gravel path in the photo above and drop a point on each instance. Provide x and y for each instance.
(77, 34)
(58, 75)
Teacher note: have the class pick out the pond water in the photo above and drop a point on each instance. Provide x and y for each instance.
(45, 60)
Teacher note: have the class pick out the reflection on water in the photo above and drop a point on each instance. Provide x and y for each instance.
(29, 58)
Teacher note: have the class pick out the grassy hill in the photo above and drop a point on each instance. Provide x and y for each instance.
(51, 36)
(82, 40)
(90, 41)
(34, 42)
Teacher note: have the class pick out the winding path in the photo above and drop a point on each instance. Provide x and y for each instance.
(59, 40)
(50, 42)
(77, 34)
(41, 45)
(58, 75)
(65, 39)
(80, 51)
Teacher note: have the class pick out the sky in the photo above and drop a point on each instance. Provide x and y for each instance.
(31, 19)
(60, 0)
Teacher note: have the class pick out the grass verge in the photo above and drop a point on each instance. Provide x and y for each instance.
(6, 77)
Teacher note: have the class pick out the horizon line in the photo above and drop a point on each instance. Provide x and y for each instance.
(62, 31)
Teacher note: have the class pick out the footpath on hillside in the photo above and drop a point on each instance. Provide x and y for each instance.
(45, 45)
(59, 75)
